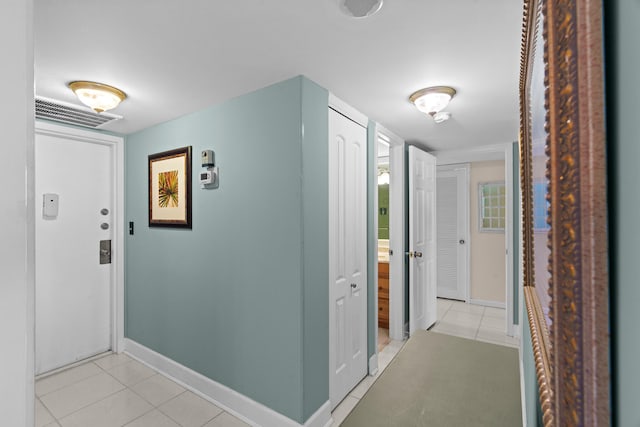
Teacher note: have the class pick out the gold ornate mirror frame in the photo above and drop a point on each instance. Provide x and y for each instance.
(571, 344)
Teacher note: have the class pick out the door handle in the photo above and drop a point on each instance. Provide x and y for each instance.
(462, 241)
(417, 254)
(353, 286)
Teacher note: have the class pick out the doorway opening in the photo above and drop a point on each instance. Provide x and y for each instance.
(389, 219)
(383, 252)
(489, 289)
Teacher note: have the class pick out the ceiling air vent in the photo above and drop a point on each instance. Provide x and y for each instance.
(51, 109)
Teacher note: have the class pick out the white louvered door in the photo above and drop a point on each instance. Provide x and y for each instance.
(453, 223)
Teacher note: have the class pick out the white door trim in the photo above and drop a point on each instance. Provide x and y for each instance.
(348, 111)
(117, 278)
(512, 329)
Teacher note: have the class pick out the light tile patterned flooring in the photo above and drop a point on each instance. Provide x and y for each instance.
(457, 318)
(472, 321)
(116, 391)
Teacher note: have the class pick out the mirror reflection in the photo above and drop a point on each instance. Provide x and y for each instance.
(540, 181)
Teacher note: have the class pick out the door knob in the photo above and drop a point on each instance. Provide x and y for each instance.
(462, 241)
(353, 286)
(417, 254)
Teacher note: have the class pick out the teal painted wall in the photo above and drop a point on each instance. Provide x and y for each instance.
(242, 297)
(315, 246)
(622, 33)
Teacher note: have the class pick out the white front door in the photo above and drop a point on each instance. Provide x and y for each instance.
(347, 255)
(422, 240)
(452, 213)
(73, 290)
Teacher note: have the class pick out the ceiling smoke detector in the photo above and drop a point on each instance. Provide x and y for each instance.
(359, 8)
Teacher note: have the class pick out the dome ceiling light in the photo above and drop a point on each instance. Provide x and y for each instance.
(359, 8)
(432, 100)
(98, 96)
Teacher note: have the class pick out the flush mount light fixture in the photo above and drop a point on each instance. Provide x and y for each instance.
(97, 96)
(359, 8)
(431, 100)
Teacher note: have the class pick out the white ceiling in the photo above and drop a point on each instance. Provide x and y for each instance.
(173, 57)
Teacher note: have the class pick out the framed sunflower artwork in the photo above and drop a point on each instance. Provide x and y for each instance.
(170, 188)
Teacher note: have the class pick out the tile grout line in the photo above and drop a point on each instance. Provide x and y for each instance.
(59, 420)
(153, 408)
(104, 371)
(71, 383)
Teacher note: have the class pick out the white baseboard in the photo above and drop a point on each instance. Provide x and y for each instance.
(523, 398)
(486, 303)
(237, 404)
(373, 364)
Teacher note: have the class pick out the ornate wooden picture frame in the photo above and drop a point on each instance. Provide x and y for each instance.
(170, 188)
(569, 335)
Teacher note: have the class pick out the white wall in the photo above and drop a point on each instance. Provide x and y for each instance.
(16, 215)
(487, 249)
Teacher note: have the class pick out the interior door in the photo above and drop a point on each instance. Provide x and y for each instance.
(73, 289)
(347, 254)
(452, 216)
(422, 240)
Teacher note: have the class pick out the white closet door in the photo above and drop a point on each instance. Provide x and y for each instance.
(347, 253)
(453, 220)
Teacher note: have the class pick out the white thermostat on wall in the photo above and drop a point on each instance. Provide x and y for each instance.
(209, 178)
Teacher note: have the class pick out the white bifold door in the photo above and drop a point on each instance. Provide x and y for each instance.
(453, 230)
(74, 193)
(347, 255)
(422, 240)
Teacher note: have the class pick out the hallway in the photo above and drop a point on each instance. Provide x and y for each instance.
(118, 391)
